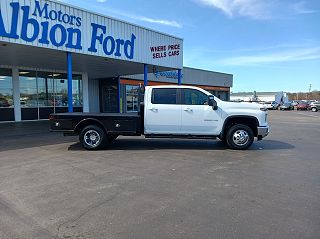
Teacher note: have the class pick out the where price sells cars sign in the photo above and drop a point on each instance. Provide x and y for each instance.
(57, 26)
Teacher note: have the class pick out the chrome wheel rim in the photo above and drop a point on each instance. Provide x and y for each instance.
(92, 138)
(240, 137)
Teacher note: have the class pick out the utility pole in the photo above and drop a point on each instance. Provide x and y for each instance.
(309, 92)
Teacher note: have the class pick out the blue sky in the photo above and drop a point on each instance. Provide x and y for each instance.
(267, 45)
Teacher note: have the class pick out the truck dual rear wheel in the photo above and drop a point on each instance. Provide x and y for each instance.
(240, 137)
(92, 137)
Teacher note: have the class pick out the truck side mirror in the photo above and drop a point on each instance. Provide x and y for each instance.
(212, 102)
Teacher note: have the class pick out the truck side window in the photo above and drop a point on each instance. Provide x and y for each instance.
(166, 96)
(194, 97)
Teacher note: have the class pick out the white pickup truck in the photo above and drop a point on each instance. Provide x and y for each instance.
(170, 112)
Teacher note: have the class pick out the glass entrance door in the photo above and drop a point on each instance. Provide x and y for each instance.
(109, 95)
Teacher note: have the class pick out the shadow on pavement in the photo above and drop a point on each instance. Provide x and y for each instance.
(271, 145)
(156, 144)
(29, 134)
(34, 134)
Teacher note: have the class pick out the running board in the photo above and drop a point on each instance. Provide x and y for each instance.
(148, 136)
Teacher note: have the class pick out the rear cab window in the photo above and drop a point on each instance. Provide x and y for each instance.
(166, 96)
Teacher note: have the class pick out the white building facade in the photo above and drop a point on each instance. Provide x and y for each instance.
(58, 58)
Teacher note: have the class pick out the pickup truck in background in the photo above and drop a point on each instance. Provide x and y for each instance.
(170, 112)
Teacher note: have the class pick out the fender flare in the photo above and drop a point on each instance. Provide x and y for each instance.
(238, 116)
(78, 127)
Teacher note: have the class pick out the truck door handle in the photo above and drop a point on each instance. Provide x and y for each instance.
(154, 109)
(188, 110)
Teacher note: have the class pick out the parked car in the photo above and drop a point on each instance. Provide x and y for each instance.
(275, 105)
(286, 106)
(314, 102)
(302, 106)
(268, 105)
(261, 104)
(315, 106)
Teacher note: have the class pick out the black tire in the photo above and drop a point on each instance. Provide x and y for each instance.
(92, 137)
(239, 137)
(314, 109)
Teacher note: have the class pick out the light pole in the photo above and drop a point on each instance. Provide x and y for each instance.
(309, 92)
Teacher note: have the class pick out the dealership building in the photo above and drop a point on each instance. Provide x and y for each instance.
(59, 58)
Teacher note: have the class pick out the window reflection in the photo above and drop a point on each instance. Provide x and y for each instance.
(28, 89)
(61, 90)
(45, 89)
(6, 92)
(43, 93)
(132, 95)
(77, 90)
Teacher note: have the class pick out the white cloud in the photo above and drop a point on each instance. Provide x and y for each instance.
(165, 22)
(276, 57)
(256, 9)
(158, 21)
(301, 8)
(102, 9)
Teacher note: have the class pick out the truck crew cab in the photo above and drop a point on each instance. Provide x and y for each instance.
(170, 112)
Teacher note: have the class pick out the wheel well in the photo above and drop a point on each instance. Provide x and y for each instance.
(251, 122)
(82, 124)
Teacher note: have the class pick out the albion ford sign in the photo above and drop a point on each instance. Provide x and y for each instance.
(58, 26)
(38, 23)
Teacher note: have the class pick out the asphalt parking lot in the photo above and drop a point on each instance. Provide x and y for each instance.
(157, 188)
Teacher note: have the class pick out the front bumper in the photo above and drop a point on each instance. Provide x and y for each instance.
(263, 131)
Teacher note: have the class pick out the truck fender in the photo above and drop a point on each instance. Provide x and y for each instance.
(89, 121)
(248, 120)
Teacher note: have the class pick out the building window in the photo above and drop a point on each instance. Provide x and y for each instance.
(45, 89)
(6, 95)
(43, 93)
(28, 89)
(132, 98)
(61, 90)
(77, 100)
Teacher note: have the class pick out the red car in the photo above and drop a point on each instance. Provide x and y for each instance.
(302, 106)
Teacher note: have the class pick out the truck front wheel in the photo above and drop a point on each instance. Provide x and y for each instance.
(240, 137)
(92, 137)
